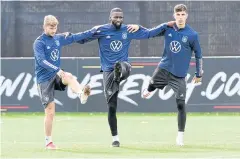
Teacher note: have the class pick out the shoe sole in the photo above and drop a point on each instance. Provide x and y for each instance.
(51, 149)
(115, 146)
(47, 148)
(87, 90)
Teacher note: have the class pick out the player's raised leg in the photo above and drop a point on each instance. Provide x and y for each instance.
(83, 92)
(158, 80)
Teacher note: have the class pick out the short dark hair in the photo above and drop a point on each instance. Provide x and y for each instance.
(115, 10)
(180, 8)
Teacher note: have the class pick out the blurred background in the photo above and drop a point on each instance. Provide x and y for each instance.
(218, 24)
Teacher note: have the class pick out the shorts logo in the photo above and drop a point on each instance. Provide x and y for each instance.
(175, 46)
(57, 42)
(116, 45)
(124, 35)
(54, 55)
(184, 39)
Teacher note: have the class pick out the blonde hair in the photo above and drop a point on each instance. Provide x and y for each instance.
(50, 20)
(180, 8)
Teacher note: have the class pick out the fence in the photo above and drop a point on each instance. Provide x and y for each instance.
(218, 24)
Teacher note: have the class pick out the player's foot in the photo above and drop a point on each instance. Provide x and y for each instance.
(116, 144)
(179, 139)
(51, 146)
(84, 95)
(117, 72)
(145, 93)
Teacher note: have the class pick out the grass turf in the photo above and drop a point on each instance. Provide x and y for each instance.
(87, 135)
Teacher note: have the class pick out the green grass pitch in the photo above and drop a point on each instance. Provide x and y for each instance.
(141, 136)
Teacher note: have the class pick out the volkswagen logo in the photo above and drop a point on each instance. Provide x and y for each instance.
(175, 46)
(116, 45)
(55, 55)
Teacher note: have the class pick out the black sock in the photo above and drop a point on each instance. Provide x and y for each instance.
(181, 114)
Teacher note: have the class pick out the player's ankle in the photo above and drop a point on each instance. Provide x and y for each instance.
(48, 139)
(115, 138)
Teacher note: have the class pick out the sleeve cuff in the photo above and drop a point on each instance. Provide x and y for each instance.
(198, 75)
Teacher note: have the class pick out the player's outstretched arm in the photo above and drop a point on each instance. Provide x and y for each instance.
(95, 36)
(139, 32)
(160, 29)
(68, 38)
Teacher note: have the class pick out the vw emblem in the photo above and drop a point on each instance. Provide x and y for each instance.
(55, 55)
(116, 45)
(57, 42)
(124, 35)
(175, 46)
(184, 39)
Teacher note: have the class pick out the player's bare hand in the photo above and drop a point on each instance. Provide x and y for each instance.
(197, 79)
(66, 34)
(61, 73)
(171, 23)
(131, 28)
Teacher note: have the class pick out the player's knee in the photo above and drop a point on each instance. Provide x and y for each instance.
(181, 105)
(68, 75)
(50, 110)
(113, 100)
(67, 78)
(112, 106)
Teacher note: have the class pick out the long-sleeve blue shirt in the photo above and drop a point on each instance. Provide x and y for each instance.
(47, 52)
(178, 47)
(114, 43)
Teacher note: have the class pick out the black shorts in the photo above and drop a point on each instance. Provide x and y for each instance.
(47, 89)
(110, 86)
(162, 78)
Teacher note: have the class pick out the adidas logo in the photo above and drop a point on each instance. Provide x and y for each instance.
(170, 35)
